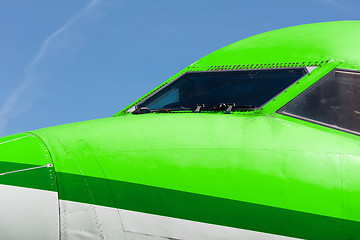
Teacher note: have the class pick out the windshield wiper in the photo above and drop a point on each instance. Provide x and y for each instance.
(227, 107)
(143, 110)
(198, 108)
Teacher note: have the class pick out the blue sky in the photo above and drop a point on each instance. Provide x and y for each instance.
(68, 61)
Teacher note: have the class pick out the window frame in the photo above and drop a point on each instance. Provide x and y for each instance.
(314, 85)
(306, 69)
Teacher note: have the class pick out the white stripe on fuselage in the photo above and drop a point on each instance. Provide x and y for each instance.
(27, 213)
(90, 222)
(136, 225)
(34, 214)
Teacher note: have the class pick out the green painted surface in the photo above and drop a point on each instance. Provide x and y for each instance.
(202, 208)
(297, 88)
(304, 43)
(254, 170)
(234, 157)
(29, 176)
(217, 154)
(23, 160)
(23, 148)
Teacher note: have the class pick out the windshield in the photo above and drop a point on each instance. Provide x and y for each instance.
(242, 89)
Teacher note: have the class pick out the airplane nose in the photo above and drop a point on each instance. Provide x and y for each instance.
(28, 193)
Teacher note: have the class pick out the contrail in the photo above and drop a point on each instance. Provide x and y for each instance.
(7, 110)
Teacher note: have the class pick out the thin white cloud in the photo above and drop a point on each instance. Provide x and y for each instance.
(8, 109)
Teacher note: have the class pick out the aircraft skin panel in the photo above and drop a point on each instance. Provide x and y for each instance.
(218, 180)
(28, 213)
(174, 228)
(204, 160)
(33, 151)
(207, 209)
(139, 236)
(295, 45)
(91, 222)
(29, 204)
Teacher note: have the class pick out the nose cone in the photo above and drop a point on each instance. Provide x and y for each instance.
(28, 202)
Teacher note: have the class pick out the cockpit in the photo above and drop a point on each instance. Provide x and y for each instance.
(332, 101)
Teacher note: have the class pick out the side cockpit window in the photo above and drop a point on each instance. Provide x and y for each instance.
(333, 101)
(242, 89)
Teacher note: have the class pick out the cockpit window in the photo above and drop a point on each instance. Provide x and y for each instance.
(333, 101)
(242, 89)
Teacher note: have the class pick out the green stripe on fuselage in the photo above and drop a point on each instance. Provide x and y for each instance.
(202, 208)
(24, 162)
(28, 175)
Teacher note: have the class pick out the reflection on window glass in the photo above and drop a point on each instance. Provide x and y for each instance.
(334, 100)
(169, 96)
(251, 88)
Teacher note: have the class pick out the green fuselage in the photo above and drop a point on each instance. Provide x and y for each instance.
(264, 173)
